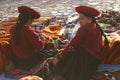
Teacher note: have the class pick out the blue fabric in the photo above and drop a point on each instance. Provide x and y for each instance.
(2, 77)
(109, 67)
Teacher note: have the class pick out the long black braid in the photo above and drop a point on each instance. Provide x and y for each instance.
(88, 15)
(106, 42)
(23, 18)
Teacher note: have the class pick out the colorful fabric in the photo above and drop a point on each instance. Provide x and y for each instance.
(12, 72)
(113, 54)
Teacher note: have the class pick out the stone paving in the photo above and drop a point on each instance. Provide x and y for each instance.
(8, 8)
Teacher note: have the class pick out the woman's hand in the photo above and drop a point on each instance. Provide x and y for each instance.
(57, 58)
(55, 61)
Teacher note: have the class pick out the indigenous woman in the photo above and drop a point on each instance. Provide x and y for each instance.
(25, 41)
(81, 56)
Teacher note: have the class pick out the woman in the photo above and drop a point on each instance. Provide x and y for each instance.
(81, 56)
(25, 42)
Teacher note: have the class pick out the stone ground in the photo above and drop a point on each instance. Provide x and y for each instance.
(8, 8)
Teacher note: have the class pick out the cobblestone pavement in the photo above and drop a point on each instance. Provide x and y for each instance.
(8, 8)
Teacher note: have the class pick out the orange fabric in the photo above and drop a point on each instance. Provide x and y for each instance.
(5, 49)
(114, 57)
(1, 62)
(113, 53)
(52, 30)
(105, 52)
(4, 54)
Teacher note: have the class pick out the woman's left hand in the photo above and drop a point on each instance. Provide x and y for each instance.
(55, 61)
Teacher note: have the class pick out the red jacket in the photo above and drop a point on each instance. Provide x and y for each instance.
(29, 42)
(88, 37)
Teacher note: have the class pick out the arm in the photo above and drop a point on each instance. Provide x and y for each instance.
(34, 39)
(76, 41)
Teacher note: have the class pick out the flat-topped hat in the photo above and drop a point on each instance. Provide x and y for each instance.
(28, 10)
(87, 9)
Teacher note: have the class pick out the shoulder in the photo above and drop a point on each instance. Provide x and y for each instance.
(12, 28)
(90, 27)
(28, 29)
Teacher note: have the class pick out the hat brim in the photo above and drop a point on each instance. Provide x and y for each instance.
(87, 9)
(25, 9)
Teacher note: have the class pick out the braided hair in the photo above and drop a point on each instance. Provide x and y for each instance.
(23, 18)
(88, 15)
